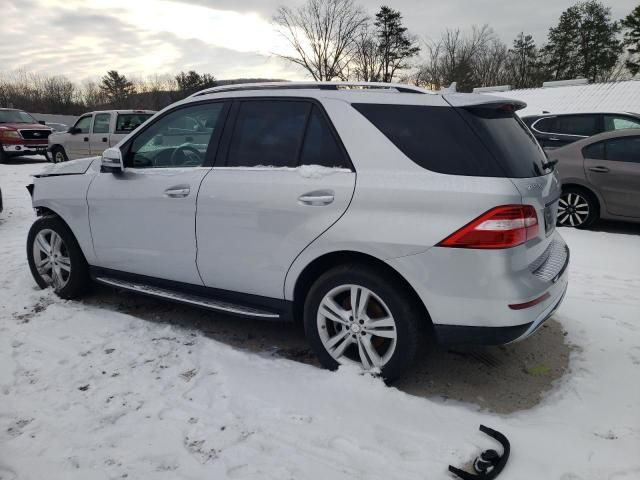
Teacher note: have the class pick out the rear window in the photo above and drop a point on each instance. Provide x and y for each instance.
(584, 125)
(128, 122)
(440, 139)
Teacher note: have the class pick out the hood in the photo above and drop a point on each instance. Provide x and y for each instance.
(73, 167)
(25, 126)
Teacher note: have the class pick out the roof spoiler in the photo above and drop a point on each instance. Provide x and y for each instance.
(479, 100)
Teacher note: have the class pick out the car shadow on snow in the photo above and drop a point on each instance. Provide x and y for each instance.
(617, 227)
(501, 379)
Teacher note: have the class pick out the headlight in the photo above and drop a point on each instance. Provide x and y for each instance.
(9, 135)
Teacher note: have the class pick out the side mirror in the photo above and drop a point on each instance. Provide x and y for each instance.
(73, 130)
(112, 161)
(42, 122)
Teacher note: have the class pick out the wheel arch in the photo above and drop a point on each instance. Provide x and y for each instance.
(327, 261)
(590, 190)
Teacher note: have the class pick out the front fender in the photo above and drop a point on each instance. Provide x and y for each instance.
(66, 196)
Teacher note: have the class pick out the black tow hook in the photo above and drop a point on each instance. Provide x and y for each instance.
(489, 464)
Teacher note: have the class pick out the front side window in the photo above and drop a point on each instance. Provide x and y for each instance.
(101, 123)
(82, 125)
(268, 133)
(583, 125)
(179, 139)
(617, 122)
(128, 122)
(625, 149)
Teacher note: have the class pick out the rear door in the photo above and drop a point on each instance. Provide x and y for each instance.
(77, 144)
(561, 130)
(99, 138)
(613, 166)
(280, 180)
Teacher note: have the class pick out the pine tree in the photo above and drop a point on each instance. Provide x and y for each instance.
(192, 81)
(525, 63)
(584, 43)
(631, 24)
(394, 43)
(115, 87)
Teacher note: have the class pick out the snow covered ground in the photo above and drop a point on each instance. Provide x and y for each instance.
(89, 393)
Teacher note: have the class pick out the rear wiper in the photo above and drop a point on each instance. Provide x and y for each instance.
(549, 164)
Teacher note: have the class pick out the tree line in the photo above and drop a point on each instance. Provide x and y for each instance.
(338, 40)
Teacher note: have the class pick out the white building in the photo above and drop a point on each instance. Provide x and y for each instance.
(574, 96)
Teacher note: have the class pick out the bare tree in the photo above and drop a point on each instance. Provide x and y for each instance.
(322, 34)
(367, 58)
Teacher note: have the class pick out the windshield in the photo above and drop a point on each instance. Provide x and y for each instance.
(16, 116)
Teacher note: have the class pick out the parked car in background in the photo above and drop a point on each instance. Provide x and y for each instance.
(243, 199)
(554, 131)
(21, 134)
(94, 132)
(600, 178)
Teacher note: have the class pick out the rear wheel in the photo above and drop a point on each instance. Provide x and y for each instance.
(353, 316)
(55, 258)
(58, 155)
(577, 208)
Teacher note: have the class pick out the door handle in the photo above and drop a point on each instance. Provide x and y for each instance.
(104, 139)
(180, 191)
(599, 169)
(554, 139)
(86, 139)
(317, 198)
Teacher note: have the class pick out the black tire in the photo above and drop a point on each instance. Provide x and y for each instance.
(407, 314)
(58, 154)
(573, 203)
(3, 156)
(78, 280)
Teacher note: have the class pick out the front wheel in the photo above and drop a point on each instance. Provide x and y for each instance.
(577, 208)
(353, 316)
(55, 258)
(58, 155)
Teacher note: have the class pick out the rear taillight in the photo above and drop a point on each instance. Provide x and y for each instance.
(501, 227)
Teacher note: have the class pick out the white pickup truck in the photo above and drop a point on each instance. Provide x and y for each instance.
(94, 132)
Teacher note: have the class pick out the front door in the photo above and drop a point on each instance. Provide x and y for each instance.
(282, 178)
(77, 143)
(143, 219)
(616, 174)
(99, 138)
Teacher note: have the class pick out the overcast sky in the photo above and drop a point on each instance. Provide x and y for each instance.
(228, 38)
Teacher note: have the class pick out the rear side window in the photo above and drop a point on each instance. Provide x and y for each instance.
(320, 145)
(594, 151)
(478, 142)
(625, 149)
(268, 133)
(436, 138)
(584, 125)
(546, 125)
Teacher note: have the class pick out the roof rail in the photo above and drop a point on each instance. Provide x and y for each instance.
(398, 87)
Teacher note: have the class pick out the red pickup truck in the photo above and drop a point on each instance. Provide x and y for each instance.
(21, 134)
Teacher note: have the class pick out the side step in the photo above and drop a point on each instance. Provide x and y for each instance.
(188, 298)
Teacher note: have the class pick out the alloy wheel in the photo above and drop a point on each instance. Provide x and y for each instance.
(59, 156)
(573, 210)
(357, 327)
(51, 258)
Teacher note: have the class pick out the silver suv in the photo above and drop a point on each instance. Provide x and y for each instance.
(378, 214)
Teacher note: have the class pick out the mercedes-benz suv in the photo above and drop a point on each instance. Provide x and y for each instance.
(377, 214)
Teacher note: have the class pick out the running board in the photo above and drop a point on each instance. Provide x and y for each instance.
(188, 298)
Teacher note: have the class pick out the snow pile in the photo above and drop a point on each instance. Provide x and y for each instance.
(87, 393)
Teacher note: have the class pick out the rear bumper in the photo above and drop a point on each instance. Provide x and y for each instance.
(488, 297)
